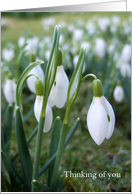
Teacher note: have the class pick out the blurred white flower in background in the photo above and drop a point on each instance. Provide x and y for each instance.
(62, 39)
(116, 20)
(32, 44)
(21, 41)
(125, 69)
(9, 90)
(47, 23)
(86, 45)
(118, 94)
(8, 54)
(4, 22)
(104, 23)
(47, 54)
(77, 34)
(100, 47)
(126, 53)
(91, 28)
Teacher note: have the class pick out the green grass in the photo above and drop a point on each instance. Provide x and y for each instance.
(82, 154)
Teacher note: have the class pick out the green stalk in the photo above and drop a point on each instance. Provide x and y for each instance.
(38, 150)
(58, 157)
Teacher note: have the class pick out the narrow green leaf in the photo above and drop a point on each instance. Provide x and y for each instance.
(22, 80)
(69, 136)
(8, 125)
(6, 168)
(40, 186)
(59, 185)
(28, 141)
(23, 149)
(54, 142)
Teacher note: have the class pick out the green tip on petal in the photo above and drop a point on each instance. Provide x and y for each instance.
(10, 76)
(97, 88)
(39, 87)
(32, 57)
(108, 118)
(59, 57)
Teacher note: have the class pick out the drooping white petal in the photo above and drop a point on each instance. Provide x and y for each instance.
(97, 121)
(49, 114)
(110, 113)
(58, 94)
(31, 80)
(48, 119)
(38, 106)
(10, 91)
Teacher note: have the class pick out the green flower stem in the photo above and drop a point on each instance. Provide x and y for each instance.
(38, 150)
(88, 75)
(58, 157)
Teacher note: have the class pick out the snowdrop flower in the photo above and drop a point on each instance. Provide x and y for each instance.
(77, 34)
(103, 23)
(125, 70)
(58, 93)
(100, 117)
(21, 41)
(8, 54)
(86, 45)
(32, 44)
(100, 47)
(38, 71)
(118, 94)
(38, 107)
(91, 28)
(10, 89)
(126, 53)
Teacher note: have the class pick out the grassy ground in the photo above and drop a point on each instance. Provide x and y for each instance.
(82, 154)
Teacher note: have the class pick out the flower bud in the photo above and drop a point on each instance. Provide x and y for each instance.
(97, 88)
(39, 87)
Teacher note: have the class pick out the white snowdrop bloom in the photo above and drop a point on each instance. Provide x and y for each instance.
(38, 71)
(32, 44)
(80, 22)
(62, 39)
(58, 93)
(100, 117)
(47, 54)
(125, 70)
(77, 34)
(21, 41)
(8, 54)
(91, 28)
(116, 19)
(48, 115)
(100, 47)
(126, 53)
(118, 94)
(10, 90)
(111, 48)
(86, 45)
(71, 28)
(103, 23)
